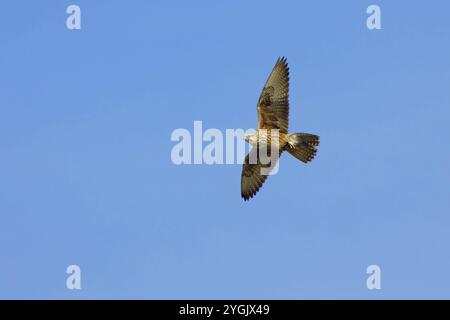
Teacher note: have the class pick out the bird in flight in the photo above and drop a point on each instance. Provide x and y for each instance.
(272, 132)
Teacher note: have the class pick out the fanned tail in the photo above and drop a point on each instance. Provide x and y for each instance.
(303, 146)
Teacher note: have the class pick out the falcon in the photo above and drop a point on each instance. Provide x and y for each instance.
(272, 133)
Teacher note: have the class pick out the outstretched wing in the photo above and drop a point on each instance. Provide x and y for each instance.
(252, 177)
(273, 104)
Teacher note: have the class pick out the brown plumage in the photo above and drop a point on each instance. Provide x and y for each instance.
(273, 118)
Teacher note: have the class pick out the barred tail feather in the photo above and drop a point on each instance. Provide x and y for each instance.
(303, 146)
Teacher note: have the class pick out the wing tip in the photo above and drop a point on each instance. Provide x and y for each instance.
(282, 59)
(283, 62)
(247, 196)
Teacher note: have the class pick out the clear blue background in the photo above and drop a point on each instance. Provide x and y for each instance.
(86, 176)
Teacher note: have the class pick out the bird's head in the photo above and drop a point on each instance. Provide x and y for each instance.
(250, 138)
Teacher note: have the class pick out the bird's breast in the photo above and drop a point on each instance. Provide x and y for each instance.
(270, 137)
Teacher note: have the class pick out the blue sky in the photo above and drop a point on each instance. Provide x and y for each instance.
(86, 176)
